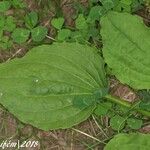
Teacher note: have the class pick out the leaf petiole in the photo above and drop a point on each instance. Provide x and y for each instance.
(126, 104)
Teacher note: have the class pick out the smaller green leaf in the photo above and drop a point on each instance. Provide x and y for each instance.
(117, 122)
(57, 22)
(9, 24)
(9, 44)
(81, 22)
(134, 123)
(3, 45)
(94, 1)
(5, 39)
(31, 19)
(102, 108)
(121, 109)
(1, 34)
(2, 22)
(39, 33)
(4, 6)
(126, 2)
(145, 105)
(108, 4)
(93, 32)
(77, 37)
(20, 35)
(136, 5)
(6, 43)
(95, 13)
(111, 113)
(63, 34)
(126, 8)
(18, 3)
(145, 96)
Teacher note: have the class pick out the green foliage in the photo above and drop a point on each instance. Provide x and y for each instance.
(58, 91)
(4, 6)
(9, 24)
(145, 99)
(117, 122)
(5, 42)
(18, 4)
(31, 20)
(38, 33)
(81, 22)
(2, 22)
(57, 23)
(108, 4)
(134, 123)
(20, 35)
(6, 24)
(61, 85)
(63, 34)
(95, 13)
(124, 51)
(117, 5)
(133, 141)
(103, 108)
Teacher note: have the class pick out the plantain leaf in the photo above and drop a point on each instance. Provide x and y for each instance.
(134, 141)
(126, 43)
(53, 86)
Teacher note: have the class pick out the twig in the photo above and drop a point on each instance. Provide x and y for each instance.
(49, 37)
(94, 138)
(99, 127)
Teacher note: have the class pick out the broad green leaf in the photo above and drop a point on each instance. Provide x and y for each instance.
(117, 122)
(42, 87)
(124, 51)
(134, 123)
(20, 35)
(4, 6)
(132, 141)
(38, 33)
(31, 20)
(63, 34)
(57, 22)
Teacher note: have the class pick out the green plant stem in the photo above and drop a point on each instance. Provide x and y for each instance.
(126, 104)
